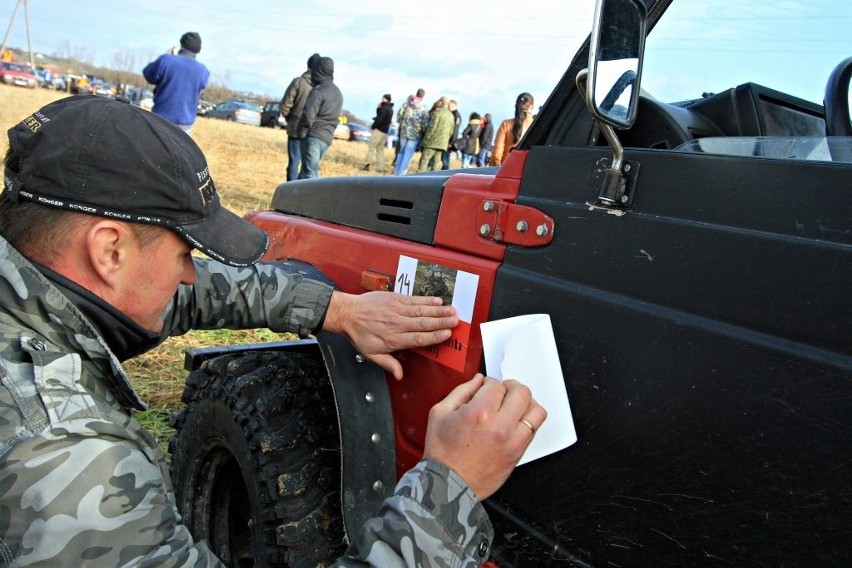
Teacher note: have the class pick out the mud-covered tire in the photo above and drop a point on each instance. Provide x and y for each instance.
(256, 460)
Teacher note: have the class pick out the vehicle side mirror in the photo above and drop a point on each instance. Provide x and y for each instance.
(615, 60)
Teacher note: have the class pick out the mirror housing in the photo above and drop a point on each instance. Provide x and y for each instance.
(615, 60)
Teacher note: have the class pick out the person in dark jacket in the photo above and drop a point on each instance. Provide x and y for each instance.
(486, 141)
(319, 118)
(451, 146)
(178, 80)
(292, 105)
(469, 146)
(379, 133)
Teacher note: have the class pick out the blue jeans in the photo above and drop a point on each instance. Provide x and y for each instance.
(294, 157)
(483, 157)
(407, 147)
(313, 149)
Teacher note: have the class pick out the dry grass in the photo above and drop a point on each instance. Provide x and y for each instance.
(247, 163)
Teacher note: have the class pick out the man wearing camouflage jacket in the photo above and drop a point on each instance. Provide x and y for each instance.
(82, 483)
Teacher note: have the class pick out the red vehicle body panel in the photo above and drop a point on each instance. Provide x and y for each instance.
(355, 259)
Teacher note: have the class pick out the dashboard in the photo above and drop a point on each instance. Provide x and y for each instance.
(749, 110)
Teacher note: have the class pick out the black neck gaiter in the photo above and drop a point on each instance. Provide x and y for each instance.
(125, 337)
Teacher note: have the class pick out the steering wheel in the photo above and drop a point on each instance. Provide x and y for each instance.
(836, 100)
(836, 103)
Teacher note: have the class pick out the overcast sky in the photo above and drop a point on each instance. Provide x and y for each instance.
(481, 52)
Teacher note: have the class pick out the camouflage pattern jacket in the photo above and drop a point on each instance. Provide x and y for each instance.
(83, 484)
(413, 119)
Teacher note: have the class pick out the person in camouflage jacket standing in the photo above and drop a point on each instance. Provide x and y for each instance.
(82, 223)
(437, 136)
(413, 119)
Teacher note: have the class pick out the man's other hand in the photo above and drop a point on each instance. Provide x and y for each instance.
(481, 430)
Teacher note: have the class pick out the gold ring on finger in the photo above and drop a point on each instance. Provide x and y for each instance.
(529, 425)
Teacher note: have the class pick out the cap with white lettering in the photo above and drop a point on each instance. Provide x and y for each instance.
(105, 157)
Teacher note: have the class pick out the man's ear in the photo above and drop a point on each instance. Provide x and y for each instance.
(108, 245)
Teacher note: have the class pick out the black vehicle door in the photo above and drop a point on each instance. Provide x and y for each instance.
(705, 343)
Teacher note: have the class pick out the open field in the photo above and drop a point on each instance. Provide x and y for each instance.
(247, 164)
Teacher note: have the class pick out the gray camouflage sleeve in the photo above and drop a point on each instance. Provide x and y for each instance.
(84, 493)
(432, 520)
(269, 295)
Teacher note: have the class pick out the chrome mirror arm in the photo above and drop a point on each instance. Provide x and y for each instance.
(614, 183)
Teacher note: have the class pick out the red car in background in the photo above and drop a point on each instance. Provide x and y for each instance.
(17, 74)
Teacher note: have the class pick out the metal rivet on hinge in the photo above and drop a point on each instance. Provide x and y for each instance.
(541, 230)
(370, 397)
(488, 205)
(626, 168)
(376, 438)
(360, 358)
(378, 486)
(521, 226)
(485, 229)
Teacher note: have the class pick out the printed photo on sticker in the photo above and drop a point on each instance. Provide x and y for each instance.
(435, 280)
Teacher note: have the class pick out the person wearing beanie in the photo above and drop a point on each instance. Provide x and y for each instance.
(379, 136)
(292, 105)
(320, 117)
(96, 235)
(178, 80)
(191, 41)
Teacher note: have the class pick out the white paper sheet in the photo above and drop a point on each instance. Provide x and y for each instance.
(523, 348)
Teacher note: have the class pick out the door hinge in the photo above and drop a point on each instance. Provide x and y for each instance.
(514, 224)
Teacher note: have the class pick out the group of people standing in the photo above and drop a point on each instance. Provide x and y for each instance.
(435, 132)
(311, 105)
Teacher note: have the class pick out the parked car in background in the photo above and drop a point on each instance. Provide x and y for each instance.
(359, 132)
(271, 115)
(236, 111)
(48, 75)
(342, 132)
(102, 89)
(141, 97)
(203, 107)
(18, 74)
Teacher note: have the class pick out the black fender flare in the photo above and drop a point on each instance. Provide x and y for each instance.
(364, 414)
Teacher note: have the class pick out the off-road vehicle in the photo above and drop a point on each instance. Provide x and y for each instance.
(695, 258)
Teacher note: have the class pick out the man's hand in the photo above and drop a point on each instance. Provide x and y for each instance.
(379, 323)
(481, 430)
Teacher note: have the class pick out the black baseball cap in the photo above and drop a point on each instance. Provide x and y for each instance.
(105, 157)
